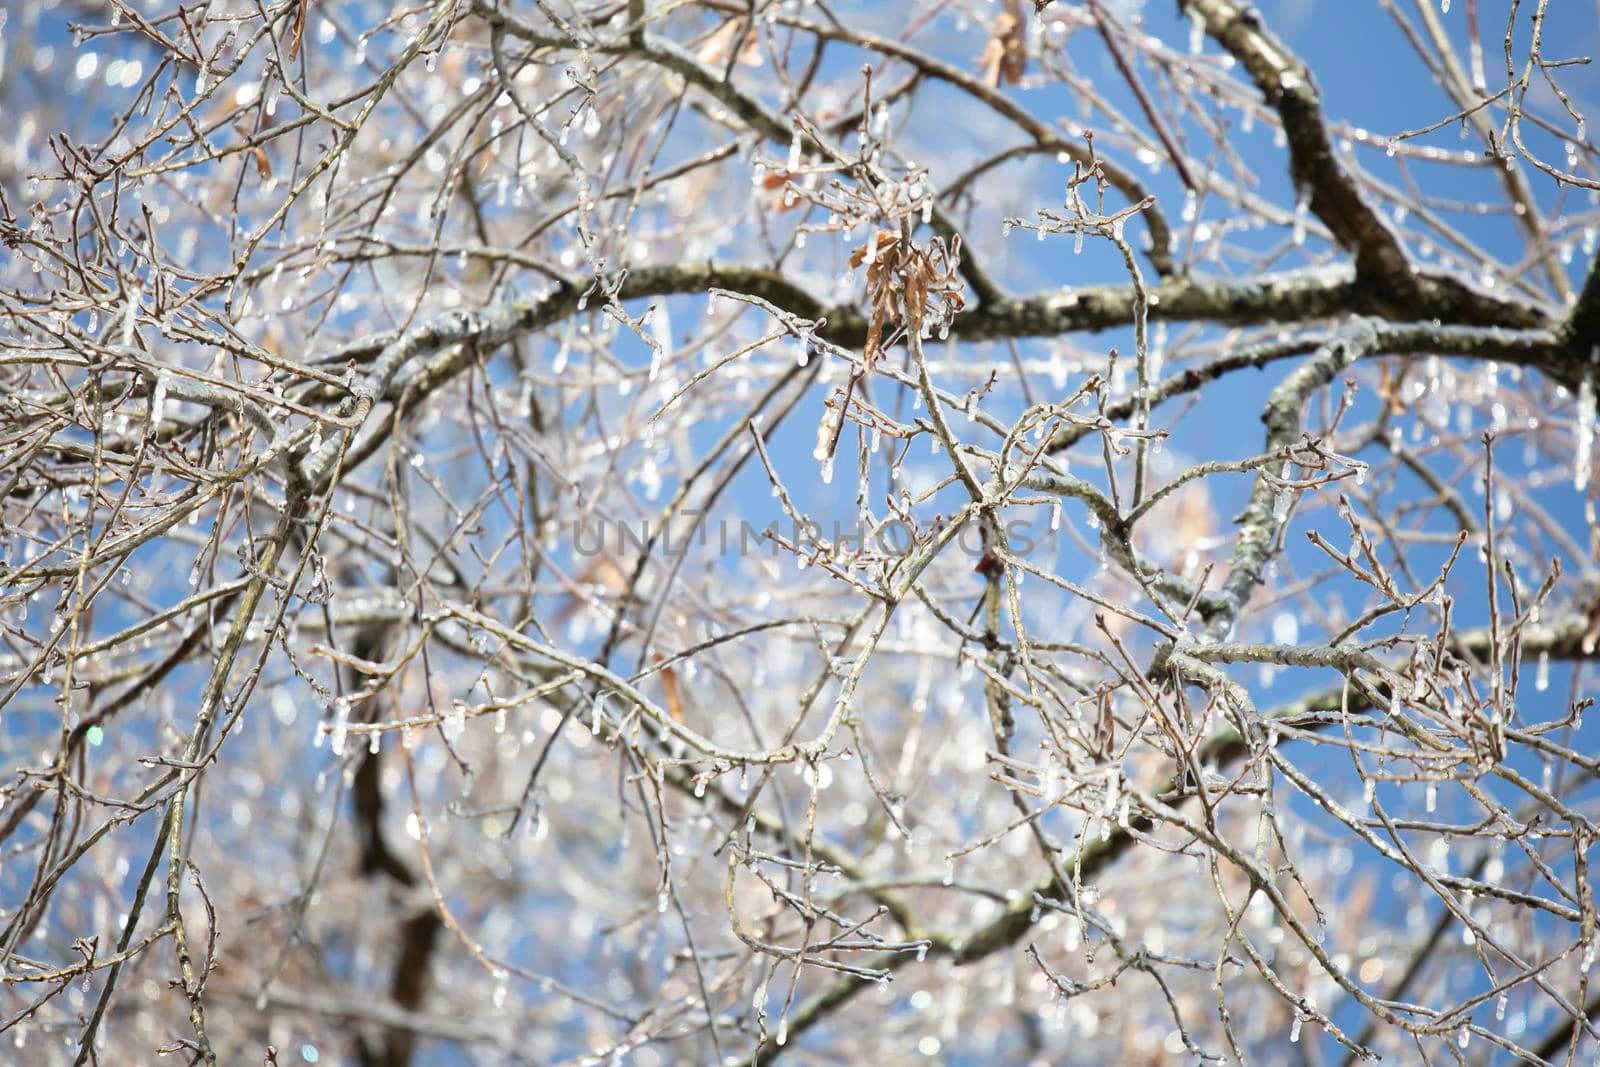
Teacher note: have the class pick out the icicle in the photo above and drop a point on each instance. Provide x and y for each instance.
(340, 726)
(794, 152)
(1294, 1030)
(1432, 797)
(1583, 463)
(827, 471)
(1197, 33)
(1444, 9)
(1302, 209)
(1541, 680)
(1055, 515)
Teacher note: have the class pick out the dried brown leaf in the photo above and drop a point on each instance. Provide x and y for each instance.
(297, 30)
(1005, 57)
(669, 687)
(714, 50)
